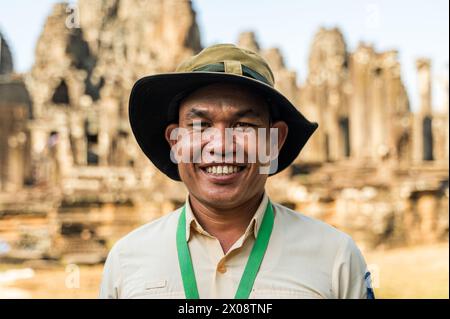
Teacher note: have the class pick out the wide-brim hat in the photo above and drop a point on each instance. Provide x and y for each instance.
(154, 101)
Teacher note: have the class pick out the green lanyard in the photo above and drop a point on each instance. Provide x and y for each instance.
(253, 263)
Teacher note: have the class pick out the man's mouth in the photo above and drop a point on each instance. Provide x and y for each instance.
(222, 169)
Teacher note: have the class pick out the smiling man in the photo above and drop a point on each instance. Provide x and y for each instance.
(218, 125)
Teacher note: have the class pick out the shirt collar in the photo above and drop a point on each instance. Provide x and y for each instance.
(252, 228)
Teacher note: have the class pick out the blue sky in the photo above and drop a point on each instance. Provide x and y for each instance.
(415, 28)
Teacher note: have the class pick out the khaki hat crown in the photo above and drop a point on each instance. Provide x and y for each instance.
(231, 59)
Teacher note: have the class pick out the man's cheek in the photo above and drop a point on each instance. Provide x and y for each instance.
(187, 149)
(245, 148)
(187, 173)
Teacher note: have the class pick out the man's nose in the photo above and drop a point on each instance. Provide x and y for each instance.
(221, 140)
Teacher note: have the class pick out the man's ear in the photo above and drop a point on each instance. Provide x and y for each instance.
(282, 132)
(169, 129)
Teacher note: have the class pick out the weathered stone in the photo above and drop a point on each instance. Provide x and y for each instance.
(81, 143)
(73, 176)
(16, 112)
(247, 40)
(6, 61)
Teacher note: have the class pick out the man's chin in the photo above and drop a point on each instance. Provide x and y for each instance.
(220, 197)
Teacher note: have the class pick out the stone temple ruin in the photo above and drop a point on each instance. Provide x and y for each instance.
(73, 180)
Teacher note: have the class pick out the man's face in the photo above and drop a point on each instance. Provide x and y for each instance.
(220, 124)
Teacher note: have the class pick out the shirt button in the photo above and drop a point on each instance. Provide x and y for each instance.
(222, 268)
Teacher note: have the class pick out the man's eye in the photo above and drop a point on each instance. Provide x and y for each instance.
(244, 125)
(199, 125)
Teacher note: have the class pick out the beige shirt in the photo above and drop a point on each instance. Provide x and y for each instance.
(305, 258)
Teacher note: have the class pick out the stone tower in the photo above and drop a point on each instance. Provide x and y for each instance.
(379, 107)
(324, 96)
(83, 73)
(6, 61)
(423, 120)
(358, 99)
(15, 112)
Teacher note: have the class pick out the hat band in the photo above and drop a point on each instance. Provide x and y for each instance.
(220, 67)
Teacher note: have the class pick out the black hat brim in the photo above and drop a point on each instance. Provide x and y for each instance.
(151, 97)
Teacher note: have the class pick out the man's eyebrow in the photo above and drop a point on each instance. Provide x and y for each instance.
(196, 113)
(247, 113)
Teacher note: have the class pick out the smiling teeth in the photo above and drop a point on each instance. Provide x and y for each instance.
(222, 170)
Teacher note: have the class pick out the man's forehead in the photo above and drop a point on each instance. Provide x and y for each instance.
(224, 97)
(196, 111)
